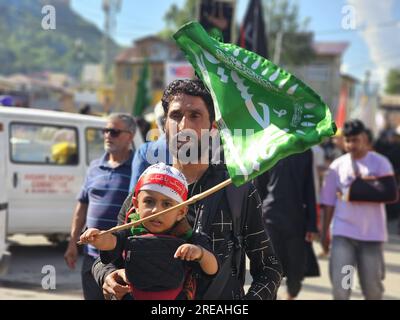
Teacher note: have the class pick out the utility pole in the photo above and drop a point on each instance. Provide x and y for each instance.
(366, 83)
(278, 47)
(110, 8)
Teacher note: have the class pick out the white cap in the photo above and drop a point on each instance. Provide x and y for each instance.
(164, 179)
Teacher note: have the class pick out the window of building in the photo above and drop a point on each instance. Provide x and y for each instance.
(157, 78)
(128, 73)
(318, 73)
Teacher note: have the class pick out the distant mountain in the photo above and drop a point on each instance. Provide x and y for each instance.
(26, 47)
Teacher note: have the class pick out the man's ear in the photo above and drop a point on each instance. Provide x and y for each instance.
(214, 125)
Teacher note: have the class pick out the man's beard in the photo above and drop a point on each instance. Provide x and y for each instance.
(110, 148)
(190, 151)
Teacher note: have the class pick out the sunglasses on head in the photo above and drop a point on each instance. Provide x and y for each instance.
(113, 132)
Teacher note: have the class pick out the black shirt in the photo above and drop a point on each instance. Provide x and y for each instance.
(217, 224)
(214, 218)
(288, 194)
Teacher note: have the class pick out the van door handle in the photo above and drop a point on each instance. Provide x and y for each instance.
(15, 179)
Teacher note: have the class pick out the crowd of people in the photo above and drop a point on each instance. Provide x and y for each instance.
(199, 251)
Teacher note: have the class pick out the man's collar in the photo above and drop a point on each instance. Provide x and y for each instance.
(104, 161)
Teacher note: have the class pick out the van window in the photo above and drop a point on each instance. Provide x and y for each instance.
(43, 144)
(94, 144)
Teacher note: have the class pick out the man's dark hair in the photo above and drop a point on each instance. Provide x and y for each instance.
(353, 128)
(192, 88)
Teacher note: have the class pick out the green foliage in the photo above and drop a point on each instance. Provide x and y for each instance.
(393, 82)
(26, 47)
(175, 17)
(142, 99)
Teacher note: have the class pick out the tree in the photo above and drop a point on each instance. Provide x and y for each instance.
(393, 82)
(282, 20)
(25, 47)
(175, 17)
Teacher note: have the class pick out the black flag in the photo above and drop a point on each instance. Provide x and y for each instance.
(252, 32)
(217, 14)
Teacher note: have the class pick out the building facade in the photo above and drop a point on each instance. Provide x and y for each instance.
(128, 69)
(323, 72)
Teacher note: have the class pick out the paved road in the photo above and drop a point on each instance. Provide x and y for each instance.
(31, 254)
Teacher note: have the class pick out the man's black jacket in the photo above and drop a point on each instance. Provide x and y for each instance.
(215, 220)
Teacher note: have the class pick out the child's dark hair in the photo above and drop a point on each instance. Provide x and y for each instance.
(192, 88)
(353, 128)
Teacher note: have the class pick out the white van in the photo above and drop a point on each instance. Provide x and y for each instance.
(44, 156)
(4, 254)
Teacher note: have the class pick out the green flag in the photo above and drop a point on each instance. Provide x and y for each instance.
(142, 99)
(263, 113)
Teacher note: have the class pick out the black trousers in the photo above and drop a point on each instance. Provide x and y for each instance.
(291, 252)
(91, 290)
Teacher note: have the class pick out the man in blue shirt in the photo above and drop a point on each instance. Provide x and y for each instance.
(105, 188)
(149, 153)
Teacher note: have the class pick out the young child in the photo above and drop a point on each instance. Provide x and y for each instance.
(161, 253)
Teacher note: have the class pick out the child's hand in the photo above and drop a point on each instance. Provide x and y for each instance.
(90, 236)
(189, 252)
(104, 241)
(205, 258)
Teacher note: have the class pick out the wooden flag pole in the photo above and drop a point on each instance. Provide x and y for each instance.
(190, 201)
